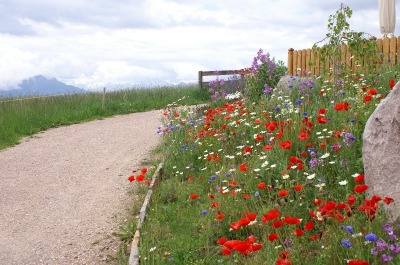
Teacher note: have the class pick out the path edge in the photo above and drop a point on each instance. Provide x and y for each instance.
(134, 254)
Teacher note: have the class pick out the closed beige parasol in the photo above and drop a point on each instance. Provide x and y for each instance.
(387, 17)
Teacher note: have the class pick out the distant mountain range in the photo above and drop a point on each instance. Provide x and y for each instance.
(40, 86)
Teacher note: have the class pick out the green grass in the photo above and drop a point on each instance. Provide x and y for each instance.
(24, 117)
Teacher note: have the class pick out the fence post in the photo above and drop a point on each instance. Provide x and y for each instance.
(290, 61)
(103, 101)
(200, 79)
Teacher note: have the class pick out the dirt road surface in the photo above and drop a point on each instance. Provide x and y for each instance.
(64, 191)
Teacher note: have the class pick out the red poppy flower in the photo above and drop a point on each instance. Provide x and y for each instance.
(321, 119)
(259, 137)
(140, 178)
(388, 200)
(298, 187)
(299, 232)
(258, 121)
(271, 125)
(243, 167)
(235, 225)
(247, 150)
(321, 111)
(309, 226)
(143, 170)
(367, 98)
(286, 144)
(342, 106)
(283, 262)
(283, 193)
(131, 178)
(314, 237)
(360, 188)
(267, 147)
(272, 237)
(317, 201)
(272, 214)
(215, 204)
(369, 207)
(251, 216)
(392, 83)
(261, 185)
(193, 196)
(376, 198)
(244, 221)
(284, 254)
(246, 196)
(371, 91)
(359, 178)
(221, 241)
(277, 224)
(303, 136)
(351, 199)
(226, 251)
(292, 220)
(219, 216)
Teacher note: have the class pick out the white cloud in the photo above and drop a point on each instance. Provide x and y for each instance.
(96, 43)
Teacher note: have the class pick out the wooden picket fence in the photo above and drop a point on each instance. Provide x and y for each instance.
(299, 61)
(204, 84)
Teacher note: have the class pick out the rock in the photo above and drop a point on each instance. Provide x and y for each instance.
(381, 151)
(287, 82)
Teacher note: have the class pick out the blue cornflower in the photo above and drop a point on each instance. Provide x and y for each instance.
(204, 212)
(350, 230)
(353, 121)
(277, 108)
(213, 177)
(228, 175)
(298, 102)
(346, 243)
(371, 237)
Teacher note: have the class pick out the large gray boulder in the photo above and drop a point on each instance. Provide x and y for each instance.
(381, 151)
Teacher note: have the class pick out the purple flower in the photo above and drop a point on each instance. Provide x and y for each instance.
(381, 244)
(386, 257)
(395, 248)
(371, 237)
(374, 251)
(204, 212)
(267, 89)
(387, 228)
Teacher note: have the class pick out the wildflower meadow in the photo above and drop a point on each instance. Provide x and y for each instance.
(272, 177)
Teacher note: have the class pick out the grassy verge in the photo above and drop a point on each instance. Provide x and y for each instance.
(21, 118)
(278, 180)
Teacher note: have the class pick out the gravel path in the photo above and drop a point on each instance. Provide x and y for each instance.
(64, 191)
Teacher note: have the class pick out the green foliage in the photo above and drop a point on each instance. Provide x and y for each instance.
(263, 76)
(363, 51)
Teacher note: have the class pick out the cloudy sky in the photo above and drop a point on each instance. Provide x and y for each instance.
(96, 43)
